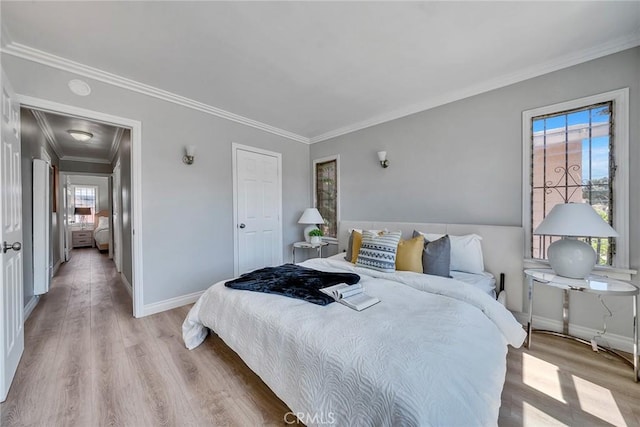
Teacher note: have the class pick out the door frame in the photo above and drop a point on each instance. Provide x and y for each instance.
(234, 170)
(65, 177)
(136, 180)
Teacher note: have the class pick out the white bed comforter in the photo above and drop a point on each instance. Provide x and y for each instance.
(432, 352)
(101, 235)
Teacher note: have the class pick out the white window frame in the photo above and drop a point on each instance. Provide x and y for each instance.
(73, 193)
(335, 157)
(620, 100)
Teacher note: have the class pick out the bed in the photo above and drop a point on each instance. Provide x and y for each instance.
(432, 352)
(101, 232)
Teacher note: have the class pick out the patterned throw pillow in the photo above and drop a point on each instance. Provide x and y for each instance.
(355, 240)
(378, 252)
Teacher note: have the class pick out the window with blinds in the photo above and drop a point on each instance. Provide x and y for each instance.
(84, 197)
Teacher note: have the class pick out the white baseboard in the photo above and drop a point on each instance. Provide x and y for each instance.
(171, 303)
(55, 268)
(618, 342)
(126, 284)
(28, 309)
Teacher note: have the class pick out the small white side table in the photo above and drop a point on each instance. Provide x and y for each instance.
(598, 285)
(307, 245)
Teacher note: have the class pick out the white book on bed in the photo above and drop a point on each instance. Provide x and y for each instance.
(353, 296)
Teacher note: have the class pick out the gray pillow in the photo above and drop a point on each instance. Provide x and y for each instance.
(436, 256)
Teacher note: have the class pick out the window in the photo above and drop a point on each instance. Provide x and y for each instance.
(326, 177)
(83, 197)
(576, 152)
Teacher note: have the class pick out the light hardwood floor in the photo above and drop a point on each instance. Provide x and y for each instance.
(88, 362)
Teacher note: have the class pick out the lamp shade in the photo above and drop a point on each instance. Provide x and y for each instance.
(311, 216)
(575, 220)
(571, 257)
(82, 211)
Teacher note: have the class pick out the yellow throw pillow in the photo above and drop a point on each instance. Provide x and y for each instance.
(355, 246)
(409, 255)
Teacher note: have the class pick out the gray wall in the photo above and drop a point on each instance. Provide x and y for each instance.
(32, 140)
(187, 224)
(462, 163)
(459, 163)
(84, 167)
(124, 156)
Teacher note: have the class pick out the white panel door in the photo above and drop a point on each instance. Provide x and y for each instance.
(258, 201)
(65, 234)
(11, 308)
(68, 213)
(117, 218)
(41, 225)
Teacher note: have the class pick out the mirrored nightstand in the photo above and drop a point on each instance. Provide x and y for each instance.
(599, 285)
(306, 245)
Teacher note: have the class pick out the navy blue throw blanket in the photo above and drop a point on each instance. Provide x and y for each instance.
(292, 281)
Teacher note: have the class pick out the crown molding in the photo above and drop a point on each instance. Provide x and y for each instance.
(35, 55)
(5, 36)
(54, 61)
(611, 47)
(45, 127)
(115, 144)
(85, 159)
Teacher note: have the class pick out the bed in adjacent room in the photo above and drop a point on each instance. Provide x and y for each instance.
(101, 232)
(432, 352)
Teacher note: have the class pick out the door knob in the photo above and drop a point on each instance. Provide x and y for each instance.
(16, 247)
(242, 225)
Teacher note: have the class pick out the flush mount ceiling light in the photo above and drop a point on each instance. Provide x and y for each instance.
(80, 135)
(79, 87)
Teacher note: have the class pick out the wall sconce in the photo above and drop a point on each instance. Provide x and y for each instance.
(382, 155)
(190, 151)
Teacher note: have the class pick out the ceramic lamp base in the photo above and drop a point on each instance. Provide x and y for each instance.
(572, 258)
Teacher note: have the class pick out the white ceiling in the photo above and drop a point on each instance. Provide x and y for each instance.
(320, 69)
(102, 148)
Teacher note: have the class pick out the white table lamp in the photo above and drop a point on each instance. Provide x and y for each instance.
(571, 257)
(312, 217)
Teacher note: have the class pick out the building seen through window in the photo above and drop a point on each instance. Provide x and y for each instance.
(573, 162)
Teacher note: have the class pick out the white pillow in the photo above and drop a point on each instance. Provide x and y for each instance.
(103, 223)
(466, 252)
(359, 230)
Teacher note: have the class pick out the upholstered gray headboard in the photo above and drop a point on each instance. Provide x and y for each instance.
(502, 248)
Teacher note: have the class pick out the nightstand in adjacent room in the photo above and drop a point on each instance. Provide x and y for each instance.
(599, 285)
(81, 238)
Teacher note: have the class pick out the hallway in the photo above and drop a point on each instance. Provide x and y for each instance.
(87, 361)
(54, 378)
